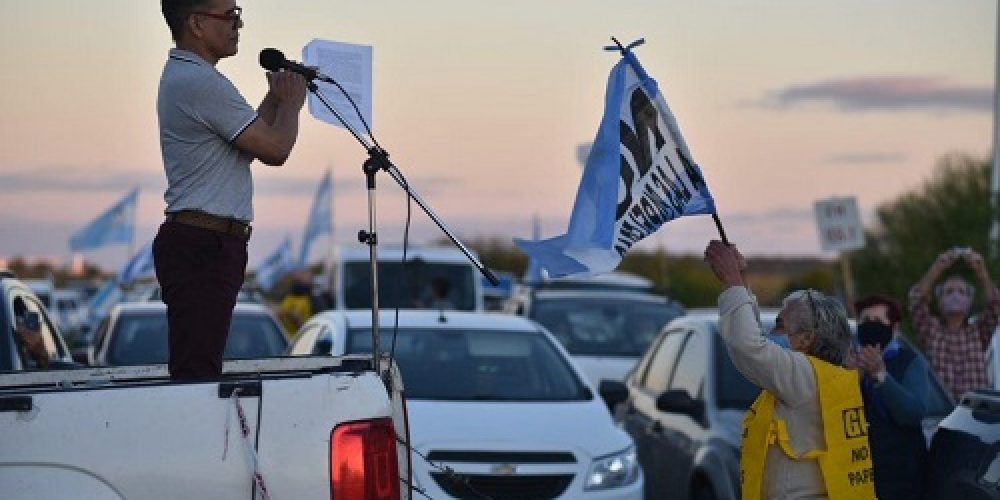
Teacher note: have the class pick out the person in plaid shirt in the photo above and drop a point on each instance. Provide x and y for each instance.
(955, 346)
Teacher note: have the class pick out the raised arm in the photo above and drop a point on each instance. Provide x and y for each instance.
(786, 374)
(919, 297)
(940, 265)
(782, 372)
(268, 109)
(988, 319)
(271, 137)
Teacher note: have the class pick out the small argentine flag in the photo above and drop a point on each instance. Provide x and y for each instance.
(639, 175)
(279, 263)
(116, 225)
(139, 266)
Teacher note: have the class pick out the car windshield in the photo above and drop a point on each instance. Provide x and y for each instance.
(141, 339)
(471, 365)
(414, 289)
(603, 326)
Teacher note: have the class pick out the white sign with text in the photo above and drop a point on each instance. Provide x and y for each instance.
(839, 224)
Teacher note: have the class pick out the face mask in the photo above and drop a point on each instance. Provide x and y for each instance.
(955, 302)
(874, 333)
(780, 339)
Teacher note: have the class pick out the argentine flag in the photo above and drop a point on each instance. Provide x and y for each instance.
(639, 175)
(116, 225)
(279, 263)
(320, 218)
(139, 266)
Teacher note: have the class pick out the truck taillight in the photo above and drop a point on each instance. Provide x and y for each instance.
(363, 463)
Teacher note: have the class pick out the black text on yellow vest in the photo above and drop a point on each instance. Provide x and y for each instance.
(845, 463)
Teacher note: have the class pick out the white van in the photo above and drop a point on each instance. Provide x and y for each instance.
(431, 278)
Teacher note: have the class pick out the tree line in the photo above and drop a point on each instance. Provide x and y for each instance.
(951, 208)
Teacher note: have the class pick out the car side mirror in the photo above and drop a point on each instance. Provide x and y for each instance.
(613, 392)
(679, 401)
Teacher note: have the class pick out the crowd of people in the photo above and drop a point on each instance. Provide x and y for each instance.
(836, 417)
(841, 418)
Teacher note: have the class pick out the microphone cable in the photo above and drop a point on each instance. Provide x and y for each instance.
(403, 263)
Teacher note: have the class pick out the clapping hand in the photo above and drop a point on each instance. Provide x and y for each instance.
(870, 360)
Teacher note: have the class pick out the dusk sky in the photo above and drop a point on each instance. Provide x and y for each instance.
(485, 107)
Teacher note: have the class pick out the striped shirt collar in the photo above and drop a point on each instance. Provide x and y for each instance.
(187, 56)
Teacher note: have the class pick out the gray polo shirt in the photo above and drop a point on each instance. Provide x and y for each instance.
(200, 114)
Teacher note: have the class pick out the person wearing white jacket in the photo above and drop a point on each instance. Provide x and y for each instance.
(798, 447)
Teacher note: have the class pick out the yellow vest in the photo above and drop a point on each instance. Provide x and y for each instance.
(293, 312)
(846, 464)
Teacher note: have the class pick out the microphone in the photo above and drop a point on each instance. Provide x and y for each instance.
(274, 60)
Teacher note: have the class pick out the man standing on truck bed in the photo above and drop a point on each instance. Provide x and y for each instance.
(209, 135)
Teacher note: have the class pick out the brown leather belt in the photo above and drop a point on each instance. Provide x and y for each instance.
(212, 223)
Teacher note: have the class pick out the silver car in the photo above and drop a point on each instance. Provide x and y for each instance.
(135, 333)
(684, 404)
(605, 328)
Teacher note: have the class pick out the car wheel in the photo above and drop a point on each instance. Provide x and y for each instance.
(702, 490)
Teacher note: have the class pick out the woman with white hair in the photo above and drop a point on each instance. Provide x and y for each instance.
(805, 436)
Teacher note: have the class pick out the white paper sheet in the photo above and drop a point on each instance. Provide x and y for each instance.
(351, 66)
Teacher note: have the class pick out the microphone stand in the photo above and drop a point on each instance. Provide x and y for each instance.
(378, 159)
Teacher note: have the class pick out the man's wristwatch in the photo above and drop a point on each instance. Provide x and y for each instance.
(880, 378)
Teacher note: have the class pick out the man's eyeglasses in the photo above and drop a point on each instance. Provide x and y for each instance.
(234, 15)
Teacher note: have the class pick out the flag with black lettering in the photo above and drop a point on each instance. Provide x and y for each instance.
(638, 176)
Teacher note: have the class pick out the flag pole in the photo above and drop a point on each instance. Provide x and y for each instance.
(718, 225)
(131, 239)
(619, 44)
(994, 236)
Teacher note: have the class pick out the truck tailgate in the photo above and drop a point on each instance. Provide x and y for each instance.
(129, 433)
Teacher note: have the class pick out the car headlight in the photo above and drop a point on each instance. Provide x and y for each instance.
(613, 471)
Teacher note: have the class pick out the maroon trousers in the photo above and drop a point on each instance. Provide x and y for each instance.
(200, 273)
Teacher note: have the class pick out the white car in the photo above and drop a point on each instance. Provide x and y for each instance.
(605, 328)
(69, 310)
(496, 407)
(135, 333)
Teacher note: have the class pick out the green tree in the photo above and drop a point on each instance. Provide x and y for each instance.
(951, 209)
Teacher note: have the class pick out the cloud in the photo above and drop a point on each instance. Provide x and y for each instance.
(76, 179)
(886, 93)
(867, 158)
(102, 179)
(771, 216)
(292, 186)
